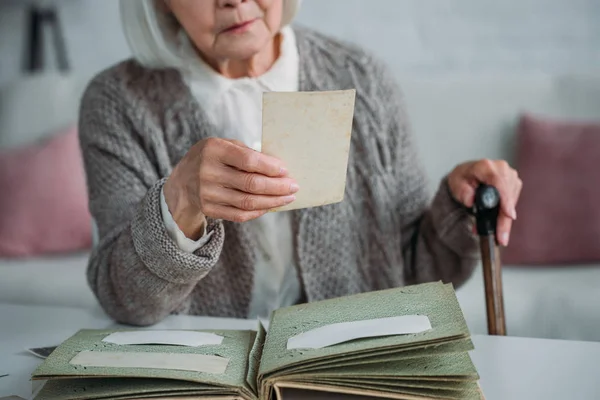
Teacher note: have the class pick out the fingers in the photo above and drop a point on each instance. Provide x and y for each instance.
(225, 179)
(467, 177)
(518, 185)
(236, 142)
(236, 155)
(253, 183)
(245, 201)
(503, 227)
(235, 183)
(233, 214)
(500, 175)
(464, 191)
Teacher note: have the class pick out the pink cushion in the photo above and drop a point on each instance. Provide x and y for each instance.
(43, 201)
(559, 209)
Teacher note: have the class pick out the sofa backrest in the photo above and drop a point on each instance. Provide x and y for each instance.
(459, 119)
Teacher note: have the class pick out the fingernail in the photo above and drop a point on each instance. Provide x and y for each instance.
(504, 238)
(289, 199)
(514, 214)
(294, 187)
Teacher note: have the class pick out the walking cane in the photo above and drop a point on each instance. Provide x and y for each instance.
(486, 208)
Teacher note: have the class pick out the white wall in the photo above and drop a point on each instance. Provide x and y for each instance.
(468, 36)
(414, 36)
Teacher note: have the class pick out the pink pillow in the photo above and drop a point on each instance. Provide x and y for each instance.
(43, 200)
(559, 209)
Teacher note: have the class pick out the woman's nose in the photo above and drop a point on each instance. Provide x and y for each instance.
(230, 3)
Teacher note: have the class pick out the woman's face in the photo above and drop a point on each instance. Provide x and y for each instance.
(229, 29)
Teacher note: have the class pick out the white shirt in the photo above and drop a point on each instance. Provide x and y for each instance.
(235, 107)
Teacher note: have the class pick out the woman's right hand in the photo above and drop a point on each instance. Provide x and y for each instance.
(224, 179)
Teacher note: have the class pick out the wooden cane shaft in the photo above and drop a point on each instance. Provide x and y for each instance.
(492, 276)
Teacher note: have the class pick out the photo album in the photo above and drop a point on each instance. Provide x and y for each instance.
(407, 343)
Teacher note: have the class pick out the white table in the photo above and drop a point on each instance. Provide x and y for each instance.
(510, 368)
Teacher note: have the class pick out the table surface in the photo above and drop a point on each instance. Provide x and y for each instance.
(510, 368)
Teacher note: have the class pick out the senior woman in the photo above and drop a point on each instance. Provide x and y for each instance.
(179, 191)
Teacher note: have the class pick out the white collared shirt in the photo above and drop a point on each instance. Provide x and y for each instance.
(235, 107)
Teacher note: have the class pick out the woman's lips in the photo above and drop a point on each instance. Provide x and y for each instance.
(240, 28)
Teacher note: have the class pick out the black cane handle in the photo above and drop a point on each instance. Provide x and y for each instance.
(486, 209)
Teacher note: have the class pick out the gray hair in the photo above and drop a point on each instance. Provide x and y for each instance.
(154, 37)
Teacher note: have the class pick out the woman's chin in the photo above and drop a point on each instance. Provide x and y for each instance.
(240, 50)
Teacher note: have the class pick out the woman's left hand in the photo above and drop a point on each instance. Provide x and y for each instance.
(465, 179)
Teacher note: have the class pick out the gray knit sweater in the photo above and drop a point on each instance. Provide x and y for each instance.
(137, 123)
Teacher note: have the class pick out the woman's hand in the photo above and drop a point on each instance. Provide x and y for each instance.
(465, 179)
(224, 179)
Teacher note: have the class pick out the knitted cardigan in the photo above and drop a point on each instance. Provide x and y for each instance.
(137, 123)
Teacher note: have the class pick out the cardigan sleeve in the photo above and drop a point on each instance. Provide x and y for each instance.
(137, 271)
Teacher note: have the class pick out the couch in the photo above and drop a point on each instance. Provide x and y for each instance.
(454, 119)
(31, 109)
